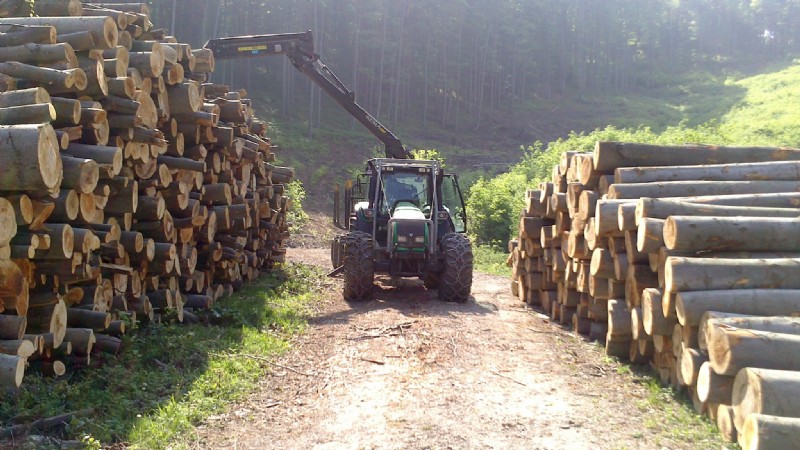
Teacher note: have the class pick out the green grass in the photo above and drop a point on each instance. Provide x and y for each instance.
(490, 260)
(769, 112)
(670, 413)
(171, 377)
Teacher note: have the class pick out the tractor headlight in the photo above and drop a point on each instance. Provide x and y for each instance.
(419, 240)
(402, 239)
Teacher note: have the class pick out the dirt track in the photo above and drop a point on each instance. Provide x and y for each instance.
(406, 371)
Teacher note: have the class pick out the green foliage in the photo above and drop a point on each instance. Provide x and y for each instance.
(769, 112)
(296, 215)
(490, 260)
(171, 377)
(429, 155)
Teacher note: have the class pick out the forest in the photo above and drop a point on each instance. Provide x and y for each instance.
(471, 65)
(479, 80)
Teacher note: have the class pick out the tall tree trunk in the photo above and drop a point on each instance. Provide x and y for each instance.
(385, 19)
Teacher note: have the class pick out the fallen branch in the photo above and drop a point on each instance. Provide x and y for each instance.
(508, 378)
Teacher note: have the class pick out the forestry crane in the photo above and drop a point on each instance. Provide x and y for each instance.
(403, 217)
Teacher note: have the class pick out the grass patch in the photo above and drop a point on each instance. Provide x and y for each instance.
(490, 260)
(171, 377)
(671, 414)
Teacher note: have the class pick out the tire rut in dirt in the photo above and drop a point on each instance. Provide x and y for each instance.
(359, 272)
(455, 282)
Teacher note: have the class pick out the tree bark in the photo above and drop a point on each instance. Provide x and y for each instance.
(731, 349)
(732, 233)
(608, 156)
(761, 431)
(707, 274)
(756, 171)
(12, 369)
(713, 388)
(765, 391)
(31, 152)
(699, 188)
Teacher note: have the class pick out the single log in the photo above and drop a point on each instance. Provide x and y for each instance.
(699, 188)
(713, 388)
(104, 29)
(12, 327)
(654, 321)
(773, 170)
(691, 361)
(731, 349)
(23, 97)
(650, 235)
(27, 114)
(608, 156)
(184, 98)
(80, 40)
(82, 318)
(30, 154)
(40, 54)
(713, 319)
(105, 155)
(44, 8)
(82, 340)
(8, 221)
(663, 208)
(52, 78)
(62, 242)
(20, 347)
(11, 280)
(50, 319)
(707, 322)
(606, 217)
(619, 319)
(12, 369)
(732, 233)
(761, 432)
(690, 306)
(21, 34)
(80, 174)
(765, 391)
(725, 423)
(107, 344)
(708, 274)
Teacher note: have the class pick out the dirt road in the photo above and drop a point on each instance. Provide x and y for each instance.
(406, 371)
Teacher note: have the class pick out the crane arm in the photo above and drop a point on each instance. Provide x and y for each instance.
(299, 48)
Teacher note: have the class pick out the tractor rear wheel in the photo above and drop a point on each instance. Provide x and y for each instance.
(455, 282)
(358, 266)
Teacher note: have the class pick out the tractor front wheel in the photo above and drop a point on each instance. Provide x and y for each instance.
(455, 282)
(358, 266)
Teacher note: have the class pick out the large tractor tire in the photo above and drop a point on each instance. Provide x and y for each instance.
(358, 266)
(455, 282)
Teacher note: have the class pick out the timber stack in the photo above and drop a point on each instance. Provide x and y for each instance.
(132, 189)
(682, 257)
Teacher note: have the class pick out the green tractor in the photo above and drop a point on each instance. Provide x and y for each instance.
(404, 218)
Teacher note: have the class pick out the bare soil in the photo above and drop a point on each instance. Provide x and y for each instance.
(407, 371)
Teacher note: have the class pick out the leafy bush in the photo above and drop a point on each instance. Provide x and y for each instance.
(297, 216)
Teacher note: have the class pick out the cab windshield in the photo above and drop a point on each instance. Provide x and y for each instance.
(405, 187)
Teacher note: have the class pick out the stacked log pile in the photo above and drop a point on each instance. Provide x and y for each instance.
(131, 189)
(682, 257)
